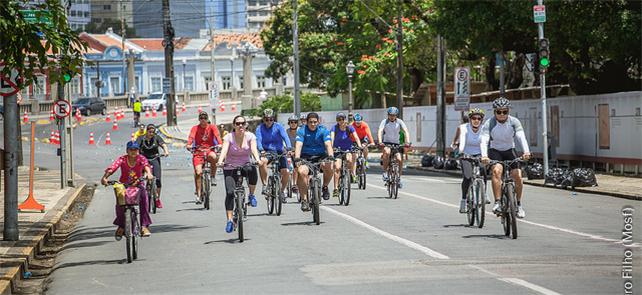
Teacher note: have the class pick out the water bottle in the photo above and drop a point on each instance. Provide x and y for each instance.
(290, 167)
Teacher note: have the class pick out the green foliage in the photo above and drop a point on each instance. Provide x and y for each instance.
(59, 52)
(285, 104)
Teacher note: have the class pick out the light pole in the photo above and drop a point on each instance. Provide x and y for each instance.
(350, 71)
(184, 62)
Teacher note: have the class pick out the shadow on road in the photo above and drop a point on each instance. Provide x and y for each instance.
(455, 225)
(108, 231)
(259, 214)
(228, 241)
(91, 262)
(499, 237)
(191, 209)
(309, 223)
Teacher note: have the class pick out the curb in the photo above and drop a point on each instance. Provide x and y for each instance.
(577, 189)
(20, 264)
(168, 135)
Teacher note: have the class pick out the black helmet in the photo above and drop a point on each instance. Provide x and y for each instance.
(341, 116)
(501, 103)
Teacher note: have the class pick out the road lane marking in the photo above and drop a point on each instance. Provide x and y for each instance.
(528, 285)
(385, 234)
(564, 230)
(426, 180)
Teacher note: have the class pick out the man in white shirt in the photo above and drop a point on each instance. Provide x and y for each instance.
(500, 132)
(389, 131)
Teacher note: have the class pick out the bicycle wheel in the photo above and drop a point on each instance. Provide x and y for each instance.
(512, 211)
(505, 218)
(206, 189)
(341, 188)
(277, 195)
(470, 203)
(154, 196)
(128, 234)
(395, 187)
(134, 234)
(270, 197)
(480, 194)
(239, 215)
(316, 199)
(346, 189)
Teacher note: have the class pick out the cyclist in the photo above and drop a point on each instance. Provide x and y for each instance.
(499, 133)
(293, 123)
(222, 131)
(149, 145)
(302, 120)
(469, 142)
(389, 134)
(365, 136)
(237, 148)
(270, 137)
(140, 132)
(200, 141)
(350, 118)
(137, 108)
(133, 167)
(313, 142)
(341, 135)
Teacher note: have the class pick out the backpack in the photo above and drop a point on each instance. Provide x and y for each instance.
(493, 122)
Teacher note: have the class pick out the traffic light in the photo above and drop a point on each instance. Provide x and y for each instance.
(67, 77)
(544, 59)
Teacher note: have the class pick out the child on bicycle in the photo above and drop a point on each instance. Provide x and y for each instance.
(133, 169)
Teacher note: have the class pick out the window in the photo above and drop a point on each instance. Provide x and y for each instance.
(107, 7)
(252, 2)
(285, 81)
(207, 78)
(241, 84)
(72, 13)
(156, 84)
(114, 84)
(227, 82)
(189, 83)
(137, 84)
(260, 82)
(86, 13)
(263, 2)
(74, 86)
(39, 85)
(92, 86)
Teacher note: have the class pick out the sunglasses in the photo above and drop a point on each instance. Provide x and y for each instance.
(340, 120)
(313, 122)
(293, 122)
(475, 118)
(239, 123)
(202, 118)
(504, 112)
(268, 119)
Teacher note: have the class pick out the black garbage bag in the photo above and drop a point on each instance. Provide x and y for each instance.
(566, 179)
(426, 160)
(438, 162)
(451, 164)
(583, 177)
(535, 171)
(554, 176)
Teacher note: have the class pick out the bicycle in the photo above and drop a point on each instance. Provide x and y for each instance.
(476, 197)
(361, 169)
(240, 206)
(508, 201)
(152, 191)
(345, 178)
(274, 183)
(315, 185)
(394, 177)
(206, 179)
(132, 227)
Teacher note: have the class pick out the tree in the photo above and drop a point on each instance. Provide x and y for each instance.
(284, 103)
(58, 52)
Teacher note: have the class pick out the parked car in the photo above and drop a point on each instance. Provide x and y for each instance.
(156, 101)
(89, 105)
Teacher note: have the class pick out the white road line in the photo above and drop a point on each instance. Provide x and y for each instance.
(425, 179)
(400, 240)
(568, 231)
(531, 286)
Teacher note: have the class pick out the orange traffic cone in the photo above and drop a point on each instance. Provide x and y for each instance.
(183, 108)
(200, 109)
(164, 111)
(25, 118)
(233, 107)
(154, 113)
(133, 136)
(51, 115)
(108, 119)
(57, 138)
(115, 126)
(91, 138)
(52, 137)
(108, 139)
(147, 113)
(221, 107)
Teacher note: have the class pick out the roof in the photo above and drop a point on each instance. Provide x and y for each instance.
(236, 39)
(156, 44)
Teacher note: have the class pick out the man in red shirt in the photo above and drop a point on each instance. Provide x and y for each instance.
(202, 138)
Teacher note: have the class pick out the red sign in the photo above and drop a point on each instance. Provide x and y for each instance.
(62, 108)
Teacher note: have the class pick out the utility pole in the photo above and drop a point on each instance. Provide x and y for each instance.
(122, 47)
(213, 71)
(131, 77)
(441, 99)
(400, 60)
(502, 77)
(295, 41)
(542, 79)
(168, 43)
(10, 228)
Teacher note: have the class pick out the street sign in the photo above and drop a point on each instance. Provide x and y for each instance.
(214, 96)
(36, 16)
(62, 108)
(539, 14)
(462, 89)
(9, 83)
(166, 85)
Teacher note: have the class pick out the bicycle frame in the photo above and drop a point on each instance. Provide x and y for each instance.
(274, 182)
(314, 188)
(394, 176)
(508, 200)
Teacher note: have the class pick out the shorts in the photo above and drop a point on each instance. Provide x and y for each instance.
(507, 155)
(283, 162)
(314, 158)
(399, 149)
(199, 157)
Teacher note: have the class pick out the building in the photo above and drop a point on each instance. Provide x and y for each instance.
(259, 12)
(228, 14)
(79, 14)
(188, 17)
(102, 10)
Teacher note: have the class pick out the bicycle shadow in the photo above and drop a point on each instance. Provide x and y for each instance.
(259, 214)
(308, 223)
(190, 209)
(227, 241)
(494, 236)
(456, 225)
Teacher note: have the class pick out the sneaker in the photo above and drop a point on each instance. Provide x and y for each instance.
(462, 206)
(400, 184)
(367, 165)
(198, 199)
(304, 206)
(385, 177)
(213, 180)
(497, 208)
(295, 189)
(282, 197)
(145, 232)
(520, 212)
(159, 205)
(120, 232)
(252, 201)
(265, 191)
(335, 193)
(354, 178)
(325, 194)
(229, 227)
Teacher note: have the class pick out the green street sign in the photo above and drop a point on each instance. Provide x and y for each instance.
(539, 13)
(37, 16)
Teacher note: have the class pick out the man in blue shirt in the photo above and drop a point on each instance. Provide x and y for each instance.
(313, 143)
(270, 137)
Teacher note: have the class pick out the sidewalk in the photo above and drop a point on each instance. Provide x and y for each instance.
(34, 227)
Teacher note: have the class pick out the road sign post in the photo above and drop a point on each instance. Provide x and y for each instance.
(10, 232)
(539, 14)
(462, 89)
(9, 83)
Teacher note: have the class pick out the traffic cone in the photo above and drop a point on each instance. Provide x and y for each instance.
(133, 138)
(154, 113)
(233, 107)
(117, 114)
(221, 108)
(147, 113)
(108, 139)
(52, 137)
(183, 108)
(200, 109)
(91, 138)
(115, 126)
(57, 138)
(108, 119)
(51, 115)
(78, 115)
(25, 118)
(164, 111)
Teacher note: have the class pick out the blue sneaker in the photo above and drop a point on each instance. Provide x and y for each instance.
(229, 227)
(252, 201)
(400, 184)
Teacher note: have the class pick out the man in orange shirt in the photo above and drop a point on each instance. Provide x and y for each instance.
(365, 136)
(202, 138)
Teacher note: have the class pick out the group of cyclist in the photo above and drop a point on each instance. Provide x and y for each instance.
(305, 138)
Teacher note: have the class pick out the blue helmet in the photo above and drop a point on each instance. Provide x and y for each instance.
(357, 117)
(132, 145)
(393, 111)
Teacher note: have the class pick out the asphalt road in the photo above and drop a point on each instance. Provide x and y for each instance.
(417, 244)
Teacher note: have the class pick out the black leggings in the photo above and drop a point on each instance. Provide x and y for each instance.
(230, 183)
(156, 170)
(467, 172)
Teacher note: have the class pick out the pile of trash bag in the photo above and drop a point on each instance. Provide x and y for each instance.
(583, 177)
(578, 177)
(426, 160)
(535, 171)
(438, 162)
(451, 164)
